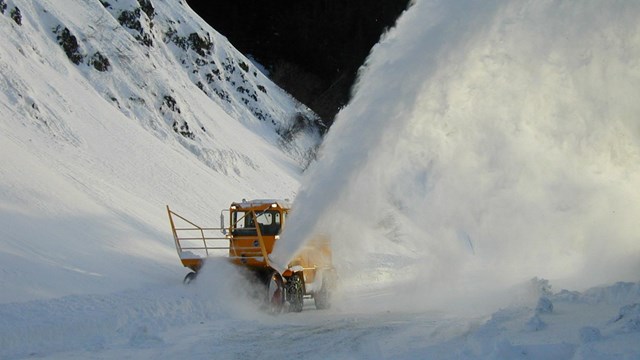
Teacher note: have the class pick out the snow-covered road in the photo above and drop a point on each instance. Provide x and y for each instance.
(202, 321)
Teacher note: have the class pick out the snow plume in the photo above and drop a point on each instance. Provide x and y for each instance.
(487, 143)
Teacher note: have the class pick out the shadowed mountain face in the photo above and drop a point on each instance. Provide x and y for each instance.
(312, 49)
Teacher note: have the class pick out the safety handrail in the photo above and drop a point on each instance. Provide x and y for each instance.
(185, 238)
(178, 239)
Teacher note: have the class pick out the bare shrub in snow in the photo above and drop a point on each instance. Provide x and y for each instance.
(16, 15)
(100, 62)
(69, 44)
(200, 45)
(131, 20)
(147, 7)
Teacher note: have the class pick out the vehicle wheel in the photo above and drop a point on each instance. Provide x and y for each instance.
(190, 277)
(295, 293)
(275, 294)
(322, 298)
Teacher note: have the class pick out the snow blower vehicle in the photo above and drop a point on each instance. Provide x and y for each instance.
(247, 240)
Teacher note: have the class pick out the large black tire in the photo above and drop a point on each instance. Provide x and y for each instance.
(190, 277)
(322, 298)
(295, 293)
(275, 293)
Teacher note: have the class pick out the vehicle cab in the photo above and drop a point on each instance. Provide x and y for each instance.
(254, 227)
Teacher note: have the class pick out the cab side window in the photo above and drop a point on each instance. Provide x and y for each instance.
(270, 223)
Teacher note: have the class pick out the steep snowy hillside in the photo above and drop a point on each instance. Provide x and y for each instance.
(110, 110)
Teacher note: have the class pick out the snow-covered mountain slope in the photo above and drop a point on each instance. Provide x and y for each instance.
(110, 111)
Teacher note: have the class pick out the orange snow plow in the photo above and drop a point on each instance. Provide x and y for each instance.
(246, 240)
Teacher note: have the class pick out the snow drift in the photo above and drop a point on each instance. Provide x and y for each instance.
(487, 143)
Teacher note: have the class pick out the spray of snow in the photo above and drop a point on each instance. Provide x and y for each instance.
(487, 143)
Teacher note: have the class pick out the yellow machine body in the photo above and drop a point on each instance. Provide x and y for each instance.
(247, 238)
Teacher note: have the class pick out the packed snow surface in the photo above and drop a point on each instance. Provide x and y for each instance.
(489, 159)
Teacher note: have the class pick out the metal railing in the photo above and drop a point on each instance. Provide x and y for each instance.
(190, 236)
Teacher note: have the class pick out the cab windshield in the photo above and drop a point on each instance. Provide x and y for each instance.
(270, 222)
